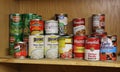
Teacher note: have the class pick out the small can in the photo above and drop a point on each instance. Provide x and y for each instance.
(92, 49)
(108, 48)
(79, 26)
(36, 26)
(51, 27)
(36, 46)
(15, 18)
(79, 46)
(51, 46)
(62, 22)
(65, 47)
(20, 50)
(98, 23)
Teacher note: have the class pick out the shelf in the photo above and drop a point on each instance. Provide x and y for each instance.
(74, 62)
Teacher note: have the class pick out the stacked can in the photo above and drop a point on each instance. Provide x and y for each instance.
(16, 30)
(79, 37)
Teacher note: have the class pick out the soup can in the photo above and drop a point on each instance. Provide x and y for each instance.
(36, 46)
(79, 26)
(65, 47)
(51, 46)
(108, 48)
(92, 49)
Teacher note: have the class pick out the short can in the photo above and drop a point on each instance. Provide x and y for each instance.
(92, 49)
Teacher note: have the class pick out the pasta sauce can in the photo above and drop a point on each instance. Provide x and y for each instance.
(92, 49)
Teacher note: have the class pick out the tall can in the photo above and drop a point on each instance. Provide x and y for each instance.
(63, 22)
(92, 49)
(79, 46)
(98, 23)
(65, 47)
(79, 26)
(36, 46)
(51, 46)
(108, 48)
(51, 27)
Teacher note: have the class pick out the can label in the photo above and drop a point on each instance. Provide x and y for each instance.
(79, 46)
(65, 47)
(51, 46)
(15, 18)
(36, 26)
(36, 46)
(51, 27)
(108, 48)
(20, 50)
(92, 49)
(79, 26)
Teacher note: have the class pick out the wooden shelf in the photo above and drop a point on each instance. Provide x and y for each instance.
(74, 62)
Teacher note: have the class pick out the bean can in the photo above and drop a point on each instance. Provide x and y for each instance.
(51, 46)
(92, 49)
(36, 46)
(108, 48)
(79, 26)
(79, 46)
(51, 27)
(65, 47)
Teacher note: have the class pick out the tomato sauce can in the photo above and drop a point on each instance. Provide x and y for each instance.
(79, 46)
(92, 49)
(65, 47)
(20, 50)
(79, 26)
(36, 26)
(108, 48)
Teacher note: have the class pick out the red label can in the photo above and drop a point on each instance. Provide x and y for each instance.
(79, 26)
(36, 26)
(79, 46)
(92, 49)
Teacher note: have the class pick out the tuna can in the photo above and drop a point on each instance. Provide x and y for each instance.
(36, 46)
(108, 48)
(65, 47)
(51, 46)
(79, 26)
(16, 18)
(20, 50)
(98, 23)
(92, 49)
(79, 46)
(51, 27)
(62, 22)
(36, 26)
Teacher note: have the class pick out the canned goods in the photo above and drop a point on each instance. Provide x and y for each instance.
(36, 46)
(51, 27)
(108, 48)
(99, 23)
(92, 49)
(79, 26)
(65, 47)
(63, 21)
(79, 46)
(16, 17)
(36, 26)
(51, 46)
(20, 50)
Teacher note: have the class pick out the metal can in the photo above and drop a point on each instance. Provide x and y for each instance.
(51, 46)
(15, 17)
(65, 47)
(51, 27)
(63, 21)
(36, 46)
(108, 48)
(20, 50)
(92, 49)
(98, 23)
(36, 26)
(79, 26)
(79, 46)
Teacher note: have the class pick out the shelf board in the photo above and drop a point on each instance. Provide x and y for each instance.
(74, 62)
